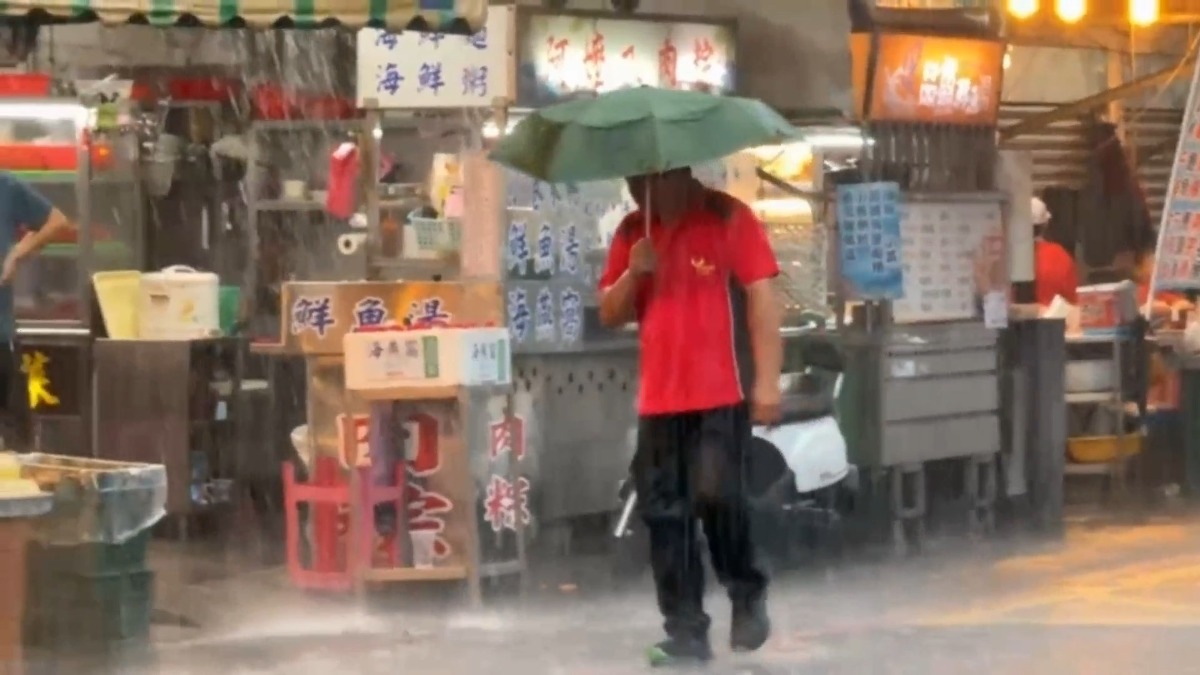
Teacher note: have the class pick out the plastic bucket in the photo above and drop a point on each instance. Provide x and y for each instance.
(229, 302)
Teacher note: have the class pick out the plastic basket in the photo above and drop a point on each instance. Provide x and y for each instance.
(1103, 449)
(117, 295)
(435, 235)
(96, 501)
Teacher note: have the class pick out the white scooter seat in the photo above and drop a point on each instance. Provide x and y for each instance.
(815, 451)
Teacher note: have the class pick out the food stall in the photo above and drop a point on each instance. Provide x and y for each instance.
(90, 173)
(920, 329)
(428, 485)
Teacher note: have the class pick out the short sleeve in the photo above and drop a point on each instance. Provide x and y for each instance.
(618, 255)
(753, 259)
(28, 208)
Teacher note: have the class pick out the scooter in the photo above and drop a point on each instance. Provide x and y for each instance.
(799, 480)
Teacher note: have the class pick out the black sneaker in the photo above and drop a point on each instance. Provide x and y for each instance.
(677, 651)
(751, 626)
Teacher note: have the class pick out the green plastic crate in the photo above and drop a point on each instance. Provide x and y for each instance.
(78, 612)
(91, 559)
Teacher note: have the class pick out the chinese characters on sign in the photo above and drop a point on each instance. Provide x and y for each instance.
(507, 439)
(929, 79)
(562, 55)
(517, 251)
(569, 251)
(429, 70)
(370, 312)
(869, 244)
(570, 307)
(519, 316)
(313, 315)
(1177, 264)
(505, 501)
(543, 257)
(942, 243)
(427, 313)
(545, 327)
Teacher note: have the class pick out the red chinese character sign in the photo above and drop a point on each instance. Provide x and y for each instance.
(1177, 263)
(561, 55)
(506, 500)
(428, 508)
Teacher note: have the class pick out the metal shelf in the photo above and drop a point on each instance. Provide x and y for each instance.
(1092, 397)
(288, 205)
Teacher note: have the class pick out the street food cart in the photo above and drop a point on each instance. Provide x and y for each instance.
(90, 174)
(428, 485)
(923, 383)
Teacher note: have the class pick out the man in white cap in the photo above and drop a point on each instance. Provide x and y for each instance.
(1054, 268)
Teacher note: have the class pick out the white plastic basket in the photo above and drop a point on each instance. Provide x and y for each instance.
(436, 235)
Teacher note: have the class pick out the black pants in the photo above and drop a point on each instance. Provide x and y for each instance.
(16, 426)
(689, 472)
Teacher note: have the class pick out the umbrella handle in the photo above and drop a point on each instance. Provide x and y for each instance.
(646, 210)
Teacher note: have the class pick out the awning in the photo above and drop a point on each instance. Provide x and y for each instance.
(457, 16)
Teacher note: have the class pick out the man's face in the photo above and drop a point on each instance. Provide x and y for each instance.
(668, 193)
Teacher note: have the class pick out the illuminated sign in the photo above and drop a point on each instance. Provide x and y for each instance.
(53, 378)
(33, 364)
(561, 55)
(916, 78)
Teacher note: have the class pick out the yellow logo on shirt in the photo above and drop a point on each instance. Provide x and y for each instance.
(702, 267)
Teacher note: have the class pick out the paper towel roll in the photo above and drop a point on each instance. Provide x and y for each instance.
(348, 244)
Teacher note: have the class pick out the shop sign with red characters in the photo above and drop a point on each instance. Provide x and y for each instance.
(428, 508)
(564, 54)
(506, 500)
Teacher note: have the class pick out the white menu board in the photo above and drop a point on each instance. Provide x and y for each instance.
(410, 69)
(943, 245)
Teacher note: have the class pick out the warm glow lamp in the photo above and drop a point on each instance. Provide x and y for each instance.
(1070, 11)
(1023, 9)
(1143, 12)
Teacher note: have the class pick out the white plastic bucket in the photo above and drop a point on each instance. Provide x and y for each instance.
(424, 543)
(178, 303)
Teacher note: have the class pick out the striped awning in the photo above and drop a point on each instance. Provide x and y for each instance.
(457, 16)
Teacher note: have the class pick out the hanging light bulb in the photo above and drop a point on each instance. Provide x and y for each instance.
(1023, 9)
(1070, 11)
(1143, 12)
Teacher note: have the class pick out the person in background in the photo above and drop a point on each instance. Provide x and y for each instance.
(1054, 268)
(1165, 303)
(22, 209)
(699, 284)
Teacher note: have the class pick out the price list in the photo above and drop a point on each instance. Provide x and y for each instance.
(1178, 260)
(942, 245)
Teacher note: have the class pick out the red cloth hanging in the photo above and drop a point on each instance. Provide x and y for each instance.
(343, 181)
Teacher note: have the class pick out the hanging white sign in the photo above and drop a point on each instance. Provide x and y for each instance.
(433, 70)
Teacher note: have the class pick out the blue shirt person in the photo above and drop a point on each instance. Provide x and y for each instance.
(22, 208)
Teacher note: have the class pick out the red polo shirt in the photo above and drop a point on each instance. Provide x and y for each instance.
(695, 350)
(1054, 273)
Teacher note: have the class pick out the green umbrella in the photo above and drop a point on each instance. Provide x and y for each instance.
(632, 132)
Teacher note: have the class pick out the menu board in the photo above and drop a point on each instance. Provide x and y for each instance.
(1178, 267)
(552, 230)
(869, 244)
(412, 69)
(945, 247)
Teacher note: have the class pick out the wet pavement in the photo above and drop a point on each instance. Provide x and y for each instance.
(1107, 600)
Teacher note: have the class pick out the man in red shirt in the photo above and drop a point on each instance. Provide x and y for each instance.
(699, 285)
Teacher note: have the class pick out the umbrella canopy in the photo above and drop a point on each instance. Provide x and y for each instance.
(638, 131)
(459, 16)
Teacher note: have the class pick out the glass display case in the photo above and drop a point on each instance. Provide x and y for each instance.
(89, 176)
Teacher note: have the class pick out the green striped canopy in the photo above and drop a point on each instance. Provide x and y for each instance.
(458, 16)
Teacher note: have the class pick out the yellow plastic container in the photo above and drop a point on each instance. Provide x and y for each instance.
(117, 294)
(1102, 449)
